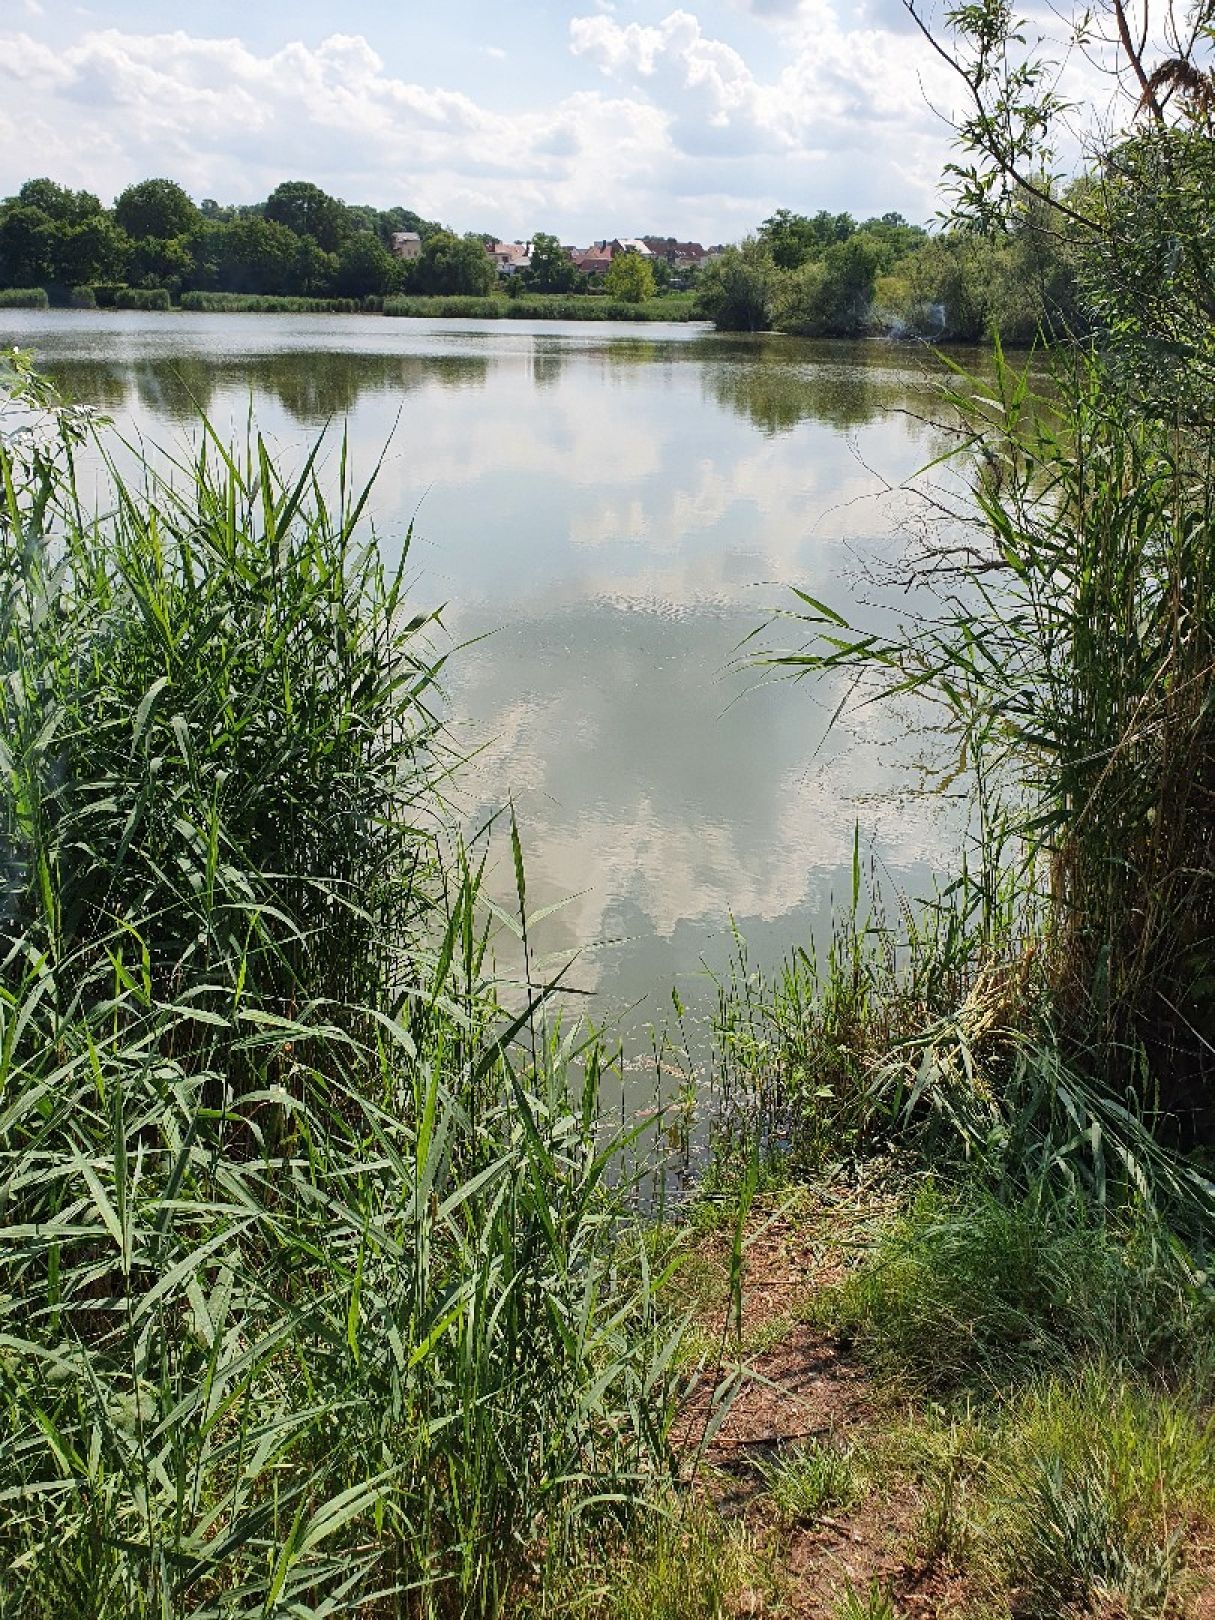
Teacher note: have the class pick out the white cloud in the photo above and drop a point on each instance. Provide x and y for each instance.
(230, 123)
(680, 132)
(855, 94)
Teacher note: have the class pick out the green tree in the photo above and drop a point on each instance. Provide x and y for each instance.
(630, 278)
(792, 238)
(255, 255)
(365, 266)
(789, 238)
(164, 262)
(832, 296)
(453, 264)
(894, 236)
(60, 205)
(94, 250)
(27, 247)
(53, 237)
(314, 273)
(309, 211)
(737, 290)
(1140, 228)
(551, 270)
(946, 287)
(156, 208)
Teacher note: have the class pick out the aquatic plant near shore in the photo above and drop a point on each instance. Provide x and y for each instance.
(539, 306)
(1071, 660)
(314, 1280)
(24, 298)
(274, 304)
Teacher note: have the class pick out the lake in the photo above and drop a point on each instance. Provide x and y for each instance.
(606, 513)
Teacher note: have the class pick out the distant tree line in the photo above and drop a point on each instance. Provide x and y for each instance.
(827, 275)
(823, 275)
(300, 241)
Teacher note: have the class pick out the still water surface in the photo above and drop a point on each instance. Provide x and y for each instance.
(607, 513)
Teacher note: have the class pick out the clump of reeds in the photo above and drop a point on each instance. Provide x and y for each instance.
(541, 307)
(24, 298)
(147, 298)
(453, 307)
(271, 304)
(311, 1294)
(1071, 656)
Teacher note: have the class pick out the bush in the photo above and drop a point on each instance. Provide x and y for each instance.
(82, 298)
(455, 307)
(737, 290)
(832, 296)
(153, 298)
(630, 278)
(24, 298)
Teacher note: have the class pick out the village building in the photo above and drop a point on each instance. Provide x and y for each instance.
(406, 244)
(593, 261)
(679, 255)
(510, 257)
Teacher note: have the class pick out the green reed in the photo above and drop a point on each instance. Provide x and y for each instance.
(540, 307)
(145, 298)
(1062, 999)
(315, 1290)
(275, 304)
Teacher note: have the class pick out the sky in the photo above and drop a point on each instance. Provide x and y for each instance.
(591, 119)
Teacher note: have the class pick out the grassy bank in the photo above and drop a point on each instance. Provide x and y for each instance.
(951, 1404)
(529, 306)
(544, 307)
(969, 1145)
(321, 1282)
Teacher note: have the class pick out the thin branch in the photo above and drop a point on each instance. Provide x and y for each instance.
(1004, 164)
(1148, 97)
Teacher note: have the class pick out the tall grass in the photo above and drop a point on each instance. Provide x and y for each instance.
(314, 1282)
(1071, 658)
(24, 298)
(542, 307)
(148, 298)
(967, 1292)
(267, 304)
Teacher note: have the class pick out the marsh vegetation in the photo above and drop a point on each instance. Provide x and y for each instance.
(326, 1284)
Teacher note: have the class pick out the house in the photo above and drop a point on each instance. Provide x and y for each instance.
(631, 244)
(593, 261)
(510, 257)
(679, 255)
(406, 244)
